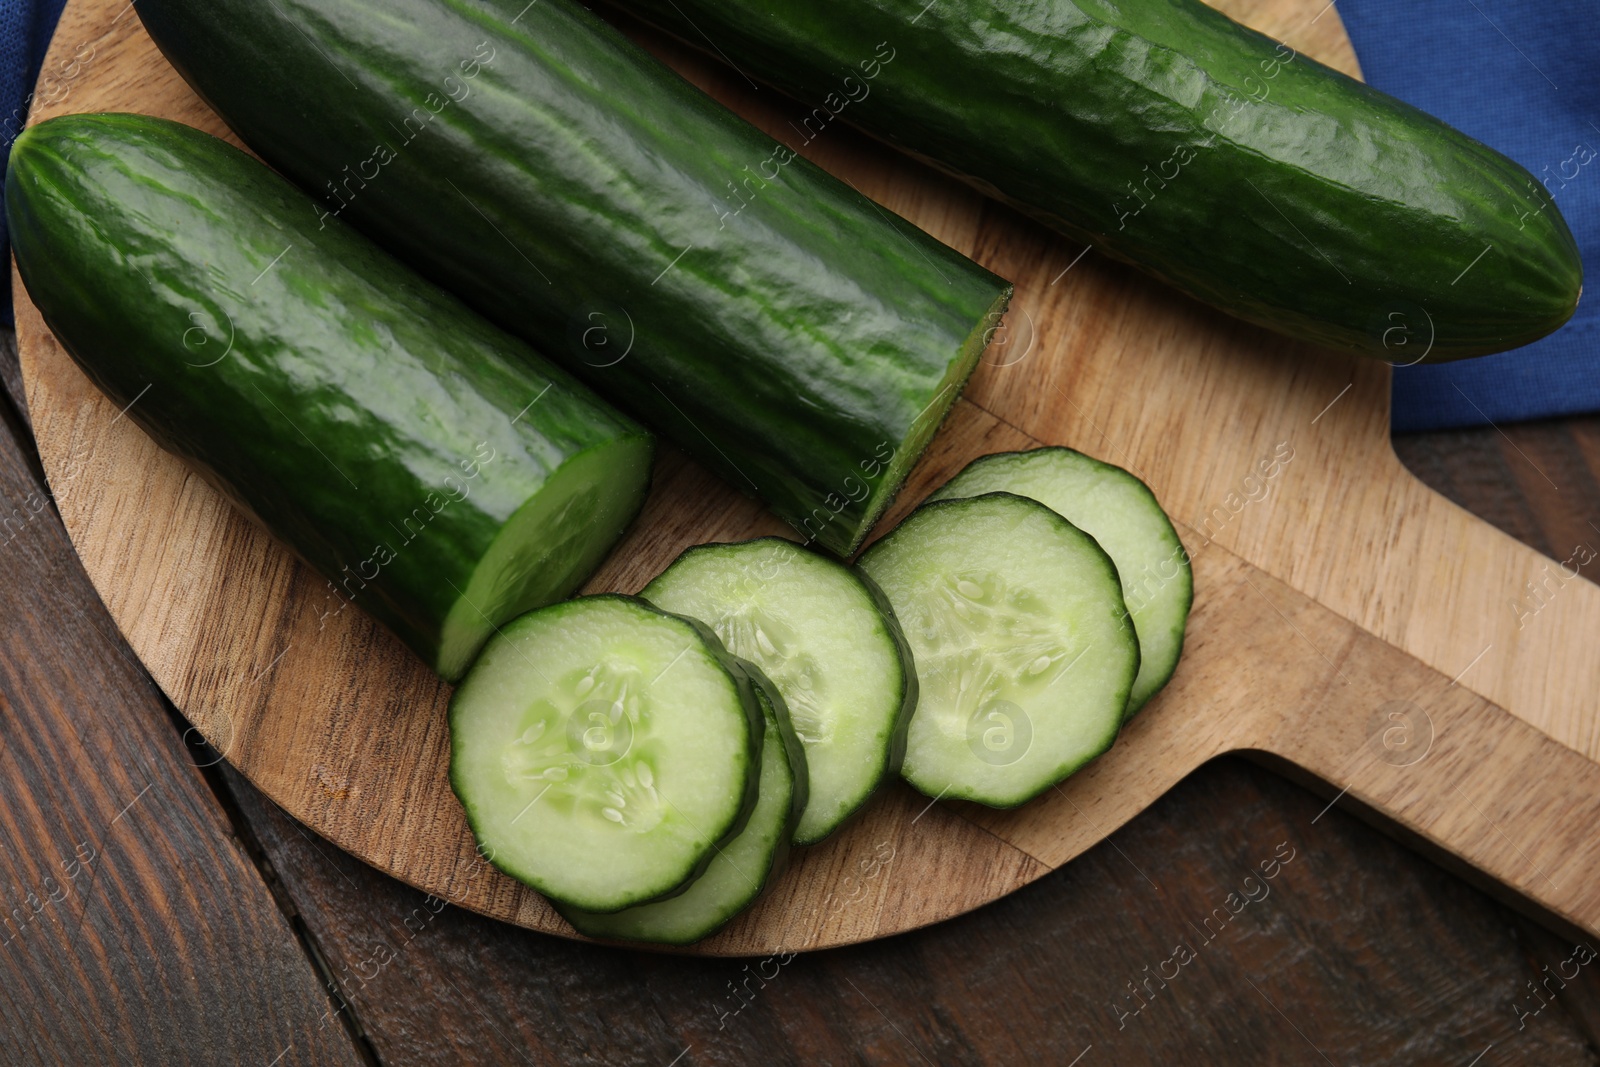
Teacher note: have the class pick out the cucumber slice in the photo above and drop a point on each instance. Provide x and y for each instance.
(1122, 514)
(1024, 651)
(602, 749)
(742, 868)
(828, 640)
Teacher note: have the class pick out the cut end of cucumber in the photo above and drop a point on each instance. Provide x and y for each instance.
(923, 427)
(602, 749)
(1023, 648)
(549, 546)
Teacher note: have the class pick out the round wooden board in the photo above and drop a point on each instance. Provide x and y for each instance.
(332, 718)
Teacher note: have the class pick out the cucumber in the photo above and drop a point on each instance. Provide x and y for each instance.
(1170, 137)
(1024, 650)
(778, 326)
(1121, 513)
(741, 869)
(827, 639)
(435, 470)
(604, 750)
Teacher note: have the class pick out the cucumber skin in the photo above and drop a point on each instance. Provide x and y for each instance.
(790, 349)
(908, 666)
(796, 755)
(1063, 107)
(755, 727)
(895, 751)
(394, 378)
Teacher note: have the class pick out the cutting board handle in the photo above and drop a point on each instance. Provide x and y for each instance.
(1463, 775)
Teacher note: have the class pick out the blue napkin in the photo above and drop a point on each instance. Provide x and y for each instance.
(1522, 76)
(25, 29)
(1516, 74)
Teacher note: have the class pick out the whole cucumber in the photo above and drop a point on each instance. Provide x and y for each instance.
(436, 471)
(1166, 135)
(774, 323)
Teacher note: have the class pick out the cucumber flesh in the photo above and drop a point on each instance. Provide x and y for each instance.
(602, 749)
(1024, 651)
(828, 641)
(1122, 514)
(740, 869)
(547, 547)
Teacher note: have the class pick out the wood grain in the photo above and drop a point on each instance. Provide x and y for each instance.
(1378, 957)
(133, 926)
(337, 723)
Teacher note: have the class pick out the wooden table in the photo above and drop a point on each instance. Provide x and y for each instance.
(158, 909)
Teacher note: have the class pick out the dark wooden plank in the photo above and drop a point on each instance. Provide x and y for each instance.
(11, 377)
(1356, 947)
(134, 928)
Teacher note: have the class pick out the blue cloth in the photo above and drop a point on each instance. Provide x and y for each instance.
(1521, 76)
(1516, 74)
(25, 30)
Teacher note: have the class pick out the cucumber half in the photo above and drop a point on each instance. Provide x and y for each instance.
(437, 472)
(1024, 651)
(1122, 514)
(602, 749)
(741, 868)
(827, 638)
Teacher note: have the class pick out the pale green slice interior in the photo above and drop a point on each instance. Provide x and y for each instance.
(600, 750)
(1023, 648)
(814, 630)
(734, 878)
(1119, 511)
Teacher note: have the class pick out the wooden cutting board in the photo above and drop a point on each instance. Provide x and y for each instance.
(1348, 622)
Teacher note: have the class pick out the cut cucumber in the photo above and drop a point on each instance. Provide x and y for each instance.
(437, 472)
(741, 868)
(1122, 514)
(1023, 648)
(827, 639)
(602, 749)
(780, 327)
